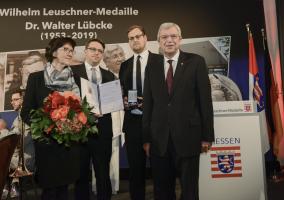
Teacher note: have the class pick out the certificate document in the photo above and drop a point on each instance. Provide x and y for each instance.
(104, 98)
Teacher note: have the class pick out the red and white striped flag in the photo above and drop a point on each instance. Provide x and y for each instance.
(255, 92)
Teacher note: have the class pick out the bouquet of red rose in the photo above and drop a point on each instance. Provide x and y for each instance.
(64, 118)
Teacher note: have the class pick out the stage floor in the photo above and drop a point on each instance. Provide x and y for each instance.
(274, 190)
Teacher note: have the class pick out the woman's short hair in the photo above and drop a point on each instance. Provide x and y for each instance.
(110, 49)
(55, 44)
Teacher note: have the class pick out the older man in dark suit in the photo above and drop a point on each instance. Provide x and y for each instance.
(178, 116)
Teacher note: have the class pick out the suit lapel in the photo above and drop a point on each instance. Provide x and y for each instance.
(103, 75)
(45, 90)
(161, 77)
(130, 72)
(179, 71)
(82, 71)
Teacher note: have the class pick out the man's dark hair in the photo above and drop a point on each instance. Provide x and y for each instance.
(141, 28)
(95, 40)
(18, 91)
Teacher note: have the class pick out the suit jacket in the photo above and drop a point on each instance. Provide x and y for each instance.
(126, 72)
(35, 93)
(126, 80)
(186, 115)
(105, 122)
(56, 165)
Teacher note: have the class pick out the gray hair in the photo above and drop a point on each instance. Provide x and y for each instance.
(168, 25)
(110, 49)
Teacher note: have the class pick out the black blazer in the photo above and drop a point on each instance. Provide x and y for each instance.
(35, 93)
(126, 72)
(56, 165)
(105, 122)
(186, 115)
(126, 80)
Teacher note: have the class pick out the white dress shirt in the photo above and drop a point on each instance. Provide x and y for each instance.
(143, 60)
(89, 72)
(174, 63)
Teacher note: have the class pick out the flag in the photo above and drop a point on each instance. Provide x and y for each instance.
(272, 110)
(274, 52)
(255, 92)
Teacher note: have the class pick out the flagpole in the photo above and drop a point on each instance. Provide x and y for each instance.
(263, 39)
(248, 30)
(251, 78)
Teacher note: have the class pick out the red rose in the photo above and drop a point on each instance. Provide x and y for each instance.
(74, 104)
(60, 113)
(82, 118)
(69, 94)
(57, 100)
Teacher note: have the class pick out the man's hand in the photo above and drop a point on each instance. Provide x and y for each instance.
(126, 104)
(140, 99)
(205, 146)
(146, 147)
(98, 115)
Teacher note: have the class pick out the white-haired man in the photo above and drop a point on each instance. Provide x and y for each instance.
(177, 116)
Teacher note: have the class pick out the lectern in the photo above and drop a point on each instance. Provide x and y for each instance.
(234, 169)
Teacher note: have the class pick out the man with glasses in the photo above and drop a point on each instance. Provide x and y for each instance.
(18, 79)
(19, 128)
(177, 116)
(132, 78)
(98, 149)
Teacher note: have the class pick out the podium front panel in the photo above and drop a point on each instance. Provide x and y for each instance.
(234, 168)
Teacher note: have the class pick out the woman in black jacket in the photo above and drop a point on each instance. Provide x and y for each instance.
(56, 165)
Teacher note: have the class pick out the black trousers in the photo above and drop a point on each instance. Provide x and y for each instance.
(55, 193)
(136, 156)
(166, 168)
(98, 150)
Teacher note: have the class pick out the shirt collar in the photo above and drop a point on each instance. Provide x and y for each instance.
(174, 58)
(89, 67)
(144, 54)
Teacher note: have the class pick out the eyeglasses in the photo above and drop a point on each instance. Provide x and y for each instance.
(93, 50)
(15, 99)
(173, 37)
(117, 55)
(137, 37)
(67, 50)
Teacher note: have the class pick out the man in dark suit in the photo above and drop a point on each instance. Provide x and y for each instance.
(132, 78)
(177, 116)
(98, 148)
